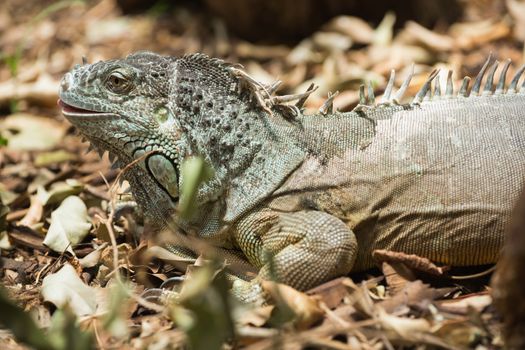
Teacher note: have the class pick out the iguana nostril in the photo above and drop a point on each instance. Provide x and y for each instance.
(64, 84)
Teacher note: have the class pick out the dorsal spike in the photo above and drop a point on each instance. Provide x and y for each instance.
(84, 60)
(502, 77)
(328, 105)
(517, 76)
(463, 91)
(428, 95)
(522, 89)
(401, 92)
(288, 98)
(272, 88)
(362, 97)
(307, 93)
(437, 87)
(479, 77)
(425, 88)
(450, 85)
(371, 95)
(490, 78)
(389, 86)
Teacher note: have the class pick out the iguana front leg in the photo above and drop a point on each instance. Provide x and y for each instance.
(306, 248)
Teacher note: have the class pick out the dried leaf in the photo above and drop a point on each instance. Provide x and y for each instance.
(517, 12)
(93, 258)
(29, 132)
(34, 214)
(412, 261)
(66, 288)
(464, 304)
(385, 31)
(306, 309)
(69, 225)
(59, 191)
(435, 41)
(355, 28)
(405, 327)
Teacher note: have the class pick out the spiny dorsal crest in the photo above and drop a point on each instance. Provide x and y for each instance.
(233, 80)
(431, 89)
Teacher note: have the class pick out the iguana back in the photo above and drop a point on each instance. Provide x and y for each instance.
(438, 180)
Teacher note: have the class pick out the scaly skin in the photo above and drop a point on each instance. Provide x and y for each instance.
(319, 193)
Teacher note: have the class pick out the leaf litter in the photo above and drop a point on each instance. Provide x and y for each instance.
(95, 282)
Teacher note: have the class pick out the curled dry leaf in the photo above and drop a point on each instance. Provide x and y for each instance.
(463, 305)
(65, 287)
(34, 214)
(332, 41)
(397, 276)
(355, 28)
(44, 91)
(412, 261)
(435, 41)
(517, 11)
(59, 191)
(69, 225)
(405, 327)
(306, 309)
(93, 258)
(413, 293)
(473, 34)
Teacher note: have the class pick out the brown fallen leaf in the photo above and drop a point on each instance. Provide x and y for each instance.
(355, 28)
(397, 276)
(254, 316)
(43, 91)
(413, 293)
(412, 261)
(331, 293)
(306, 309)
(463, 304)
(25, 236)
(433, 40)
(34, 214)
(517, 12)
(31, 132)
(474, 34)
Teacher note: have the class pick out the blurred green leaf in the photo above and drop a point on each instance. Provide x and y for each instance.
(7, 197)
(59, 191)
(4, 240)
(22, 325)
(46, 158)
(194, 171)
(114, 320)
(204, 309)
(3, 141)
(65, 333)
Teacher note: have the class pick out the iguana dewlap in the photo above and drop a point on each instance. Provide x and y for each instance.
(437, 177)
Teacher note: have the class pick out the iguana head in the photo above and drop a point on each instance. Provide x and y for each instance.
(118, 103)
(164, 109)
(120, 106)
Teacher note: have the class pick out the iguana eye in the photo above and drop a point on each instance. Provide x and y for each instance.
(118, 83)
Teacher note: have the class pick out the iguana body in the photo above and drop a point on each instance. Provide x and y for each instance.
(318, 192)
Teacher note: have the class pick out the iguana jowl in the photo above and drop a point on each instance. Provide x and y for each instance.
(437, 177)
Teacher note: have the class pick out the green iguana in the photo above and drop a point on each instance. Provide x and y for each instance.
(437, 177)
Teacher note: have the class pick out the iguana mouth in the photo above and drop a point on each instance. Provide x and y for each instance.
(70, 110)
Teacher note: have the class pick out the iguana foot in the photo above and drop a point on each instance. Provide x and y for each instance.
(301, 249)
